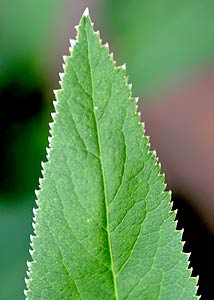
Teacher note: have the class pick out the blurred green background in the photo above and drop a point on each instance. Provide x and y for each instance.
(168, 46)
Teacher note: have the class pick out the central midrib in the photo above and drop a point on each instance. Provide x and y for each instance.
(103, 177)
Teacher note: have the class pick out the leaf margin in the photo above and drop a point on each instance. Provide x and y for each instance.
(49, 148)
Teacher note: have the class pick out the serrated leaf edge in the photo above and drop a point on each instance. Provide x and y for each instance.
(73, 43)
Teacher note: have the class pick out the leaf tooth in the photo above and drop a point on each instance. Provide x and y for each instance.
(176, 221)
(106, 45)
(31, 252)
(181, 230)
(37, 193)
(148, 143)
(34, 219)
(123, 69)
(197, 279)
(26, 280)
(161, 174)
(65, 58)
(142, 123)
(51, 124)
(136, 100)
(25, 291)
(37, 202)
(124, 66)
(175, 211)
(135, 103)
(28, 274)
(77, 27)
(61, 75)
(129, 86)
(191, 270)
(55, 93)
(139, 114)
(176, 224)
(154, 153)
(164, 184)
(111, 55)
(183, 243)
(40, 181)
(188, 256)
(49, 139)
(34, 215)
(98, 34)
(43, 172)
(72, 42)
(53, 115)
(48, 152)
(55, 105)
(42, 164)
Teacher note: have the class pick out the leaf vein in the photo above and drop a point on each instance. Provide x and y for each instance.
(103, 176)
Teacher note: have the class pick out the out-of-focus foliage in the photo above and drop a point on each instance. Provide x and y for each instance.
(161, 39)
(15, 219)
(22, 155)
(24, 28)
(24, 35)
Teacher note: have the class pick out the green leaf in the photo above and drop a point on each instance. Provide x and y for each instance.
(25, 22)
(104, 226)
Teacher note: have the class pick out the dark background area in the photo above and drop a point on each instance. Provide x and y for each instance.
(169, 49)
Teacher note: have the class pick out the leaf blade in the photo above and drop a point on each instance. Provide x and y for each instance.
(100, 184)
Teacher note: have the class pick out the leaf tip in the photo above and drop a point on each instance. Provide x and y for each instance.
(86, 12)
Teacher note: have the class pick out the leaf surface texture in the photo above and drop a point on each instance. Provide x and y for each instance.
(104, 226)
